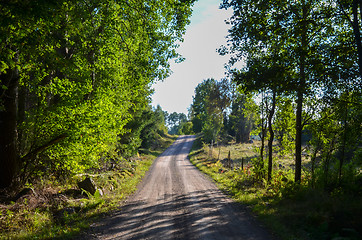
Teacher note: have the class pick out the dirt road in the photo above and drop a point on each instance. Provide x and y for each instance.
(176, 201)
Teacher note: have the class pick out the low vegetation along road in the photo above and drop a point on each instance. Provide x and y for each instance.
(176, 201)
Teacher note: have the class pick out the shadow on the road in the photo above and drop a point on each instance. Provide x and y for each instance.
(200, 215)
(184, 214)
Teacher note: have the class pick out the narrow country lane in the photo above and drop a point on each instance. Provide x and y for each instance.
(176, 201)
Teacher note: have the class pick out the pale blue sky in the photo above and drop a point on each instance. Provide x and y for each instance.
(205, 34)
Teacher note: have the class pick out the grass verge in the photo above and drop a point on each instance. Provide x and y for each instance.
(289, 210)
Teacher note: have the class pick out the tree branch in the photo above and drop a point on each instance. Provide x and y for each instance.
(43, 147)
(344, 12)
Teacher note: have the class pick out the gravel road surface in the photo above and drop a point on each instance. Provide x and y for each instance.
(176, 201)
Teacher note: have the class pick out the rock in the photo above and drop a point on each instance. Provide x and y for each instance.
(87, 185)
(100, 192)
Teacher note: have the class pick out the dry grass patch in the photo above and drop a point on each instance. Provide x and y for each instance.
(292, 211)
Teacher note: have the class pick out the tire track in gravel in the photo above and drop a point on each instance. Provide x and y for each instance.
(176, 201)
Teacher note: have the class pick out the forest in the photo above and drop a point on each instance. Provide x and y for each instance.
(75, 87)
(75, 82)
(300, 85)
(297, 102)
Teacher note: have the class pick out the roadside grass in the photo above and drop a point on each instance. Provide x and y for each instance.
(56, 210)
(289, 210)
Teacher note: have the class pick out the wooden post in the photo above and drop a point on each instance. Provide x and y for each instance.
(218, 156)
(210, 153)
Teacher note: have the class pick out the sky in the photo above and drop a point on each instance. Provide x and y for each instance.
(204, 35)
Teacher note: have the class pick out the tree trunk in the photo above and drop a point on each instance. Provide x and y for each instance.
(237, 137)
(262, 146)
(300, 93)
(357, 33)
(327, 163)
(313, 159)
(271, 138)
(355, 26)
(344, 140)
(298, 138)
(8, 128)
(262, 137)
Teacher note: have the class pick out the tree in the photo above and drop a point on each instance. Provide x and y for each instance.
(153, 127)
(350, 11)
(241, 118)
(198, 107)
(185, 128)
(72, 75)
(209, 104)
(175, 121)
(291, 33)
(14, 37)
(266, 73)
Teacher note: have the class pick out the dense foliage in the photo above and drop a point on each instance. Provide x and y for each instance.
(219, 110)
(302, 59)
(299, 92)
(75, 81)
(176, 121)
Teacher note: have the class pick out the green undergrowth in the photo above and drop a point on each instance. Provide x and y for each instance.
(289, 210)
(54, 210)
